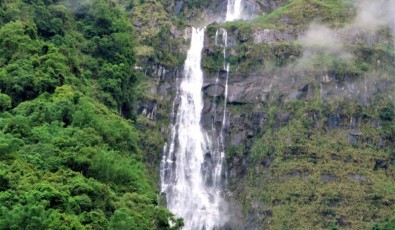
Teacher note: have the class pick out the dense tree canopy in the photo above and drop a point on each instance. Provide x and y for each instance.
(68, 160)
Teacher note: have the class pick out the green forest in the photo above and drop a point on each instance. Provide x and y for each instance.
(70, 155)
(85, 113)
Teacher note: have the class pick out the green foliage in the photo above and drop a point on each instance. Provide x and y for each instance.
(158, 45)
(28, 70)
(5, 102)
(309, 175)
(69, 158)
(248, 57)
(299, 14)
(72, 160)
(388, 226)
(387, 113)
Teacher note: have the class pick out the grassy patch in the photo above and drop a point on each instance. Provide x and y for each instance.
(299, 14)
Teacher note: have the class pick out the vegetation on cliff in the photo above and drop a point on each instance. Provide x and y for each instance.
(322, 156)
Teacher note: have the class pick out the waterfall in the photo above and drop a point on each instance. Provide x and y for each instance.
(216, 38)
(190, 172)
(226, 67)
(225, 41)
(225, 104)
(216, 89)
(233, 10)
(191, 167)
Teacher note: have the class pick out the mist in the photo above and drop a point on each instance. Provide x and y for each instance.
(370, 18)
(320, 44)
(325, 48)
(373, 14)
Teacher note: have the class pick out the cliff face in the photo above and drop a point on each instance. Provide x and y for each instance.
(310, 113)
(312, 146)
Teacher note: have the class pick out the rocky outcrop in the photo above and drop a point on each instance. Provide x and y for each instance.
(214, 90)
(271, 36)
(251, 90)
(268, 5)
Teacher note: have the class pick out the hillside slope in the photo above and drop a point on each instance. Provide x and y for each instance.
(70, 157)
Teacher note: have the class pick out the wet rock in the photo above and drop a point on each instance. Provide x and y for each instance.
(293, 96)
(237, 139)
(208, 80)
(354, 136)
(356, 177)
(268, 5)
(170, 73)
(209, 50)
(222, 74)
(219, 112)
(236, 167)
(232, 41)
(380, 143)
(328, 177)
(154, 90)
(282, 119)
(237, 123)
(304, 88)
(250, 90)
(244, 37)
(361, 37)
(160, 116)
(342, 221)
(270, 36)
(137, 22)
(266, 162)
(164, 88)
(259, 119)
(381, 164)
(276, 202)
(148, 108)
(268, 213)
(178, 6)
(215, 90)
(354, 122)
(207, 106)
(294, 174)
(326, 79)
(307, 90)
(334, 121)
(175, 33)
(356, 133)
(313, 158)
(207, 121)
(236, 93)
(187, 33)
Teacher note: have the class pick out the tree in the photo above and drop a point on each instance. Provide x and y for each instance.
(5, 102)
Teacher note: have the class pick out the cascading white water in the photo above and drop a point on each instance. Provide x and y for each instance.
(234, 10)
(190, 172)
(191, 167)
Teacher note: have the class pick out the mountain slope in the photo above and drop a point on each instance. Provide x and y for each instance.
(70, 159)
